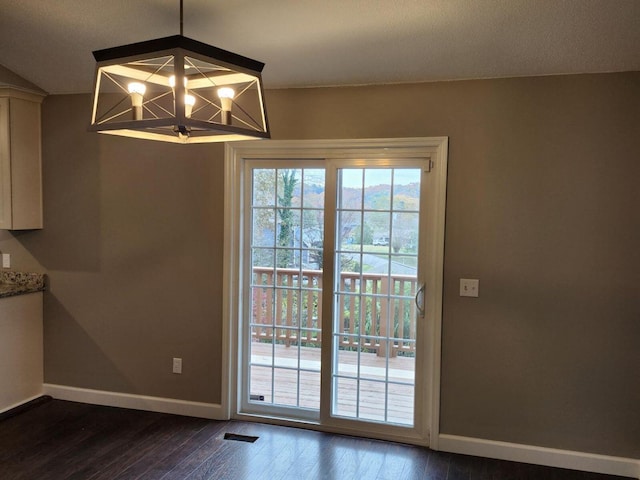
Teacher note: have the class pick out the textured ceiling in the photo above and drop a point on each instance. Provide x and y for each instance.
(332, 42)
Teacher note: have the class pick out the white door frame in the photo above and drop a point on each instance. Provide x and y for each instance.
(436, 148)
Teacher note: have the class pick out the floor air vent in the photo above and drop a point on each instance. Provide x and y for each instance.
(239, 438)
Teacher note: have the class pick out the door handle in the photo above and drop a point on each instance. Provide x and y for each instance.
(419, 300)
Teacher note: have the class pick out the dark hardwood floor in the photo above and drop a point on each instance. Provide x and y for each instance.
(59, 440)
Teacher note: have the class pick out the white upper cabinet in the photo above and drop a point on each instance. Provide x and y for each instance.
(20, 159)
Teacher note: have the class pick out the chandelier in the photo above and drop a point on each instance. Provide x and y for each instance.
(175, 89)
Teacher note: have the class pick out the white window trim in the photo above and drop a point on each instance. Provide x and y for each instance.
(434, 147)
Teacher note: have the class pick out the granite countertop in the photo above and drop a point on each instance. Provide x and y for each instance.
(18, 283)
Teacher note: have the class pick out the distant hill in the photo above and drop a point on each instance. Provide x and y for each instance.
(376, 197)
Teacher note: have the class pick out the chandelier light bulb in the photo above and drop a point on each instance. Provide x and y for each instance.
(137, 90)
(189, 102)
(137, 87)
(226, 95)
(172, 81)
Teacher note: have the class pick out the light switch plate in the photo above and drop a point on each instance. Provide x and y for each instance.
(469, 287)
(177, 365)
(6, 260)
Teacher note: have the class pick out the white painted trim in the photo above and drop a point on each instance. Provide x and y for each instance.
(435, 282)
(135, 402)
(230, 273)
(20, 403)
(435, 148)
(588, 462)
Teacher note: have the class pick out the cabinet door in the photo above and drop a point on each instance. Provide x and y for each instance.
(20, 164)
(26, 168)
(21, 354)
(5, 166)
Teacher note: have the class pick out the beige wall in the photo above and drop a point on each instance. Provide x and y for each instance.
(542, 207)
(131, 245)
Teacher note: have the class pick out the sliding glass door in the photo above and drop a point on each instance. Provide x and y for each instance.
(366, 297)
(333, 327)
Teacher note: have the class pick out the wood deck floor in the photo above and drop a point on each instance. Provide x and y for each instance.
(367, 399)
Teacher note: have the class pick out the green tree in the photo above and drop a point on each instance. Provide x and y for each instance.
(285, 214)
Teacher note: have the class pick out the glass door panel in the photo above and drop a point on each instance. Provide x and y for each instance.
(376, 277)
(287, 234)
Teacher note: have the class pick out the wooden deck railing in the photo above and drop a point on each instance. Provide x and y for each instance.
(376, 310)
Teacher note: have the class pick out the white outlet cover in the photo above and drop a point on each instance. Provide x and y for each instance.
(469, 287)
(177, 365)
(6, 260)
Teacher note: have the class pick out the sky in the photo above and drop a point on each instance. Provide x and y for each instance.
(352, 177)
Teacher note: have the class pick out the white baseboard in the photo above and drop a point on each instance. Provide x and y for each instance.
(135, 402)
(21, 403)
(588, 462)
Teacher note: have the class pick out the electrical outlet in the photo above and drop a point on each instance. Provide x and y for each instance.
(469, 287)
(177, 365)
(6, 260)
